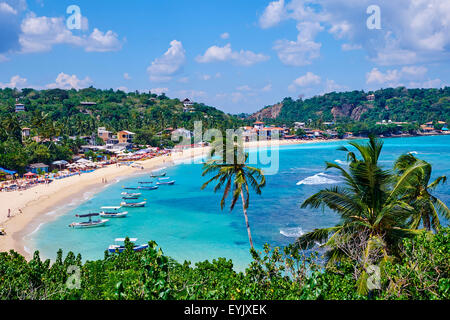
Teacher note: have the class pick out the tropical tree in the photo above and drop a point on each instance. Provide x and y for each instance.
(427, 207)
(370, 204)
(237, 177)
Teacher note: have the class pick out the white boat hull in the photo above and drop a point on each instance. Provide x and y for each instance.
(85, 225)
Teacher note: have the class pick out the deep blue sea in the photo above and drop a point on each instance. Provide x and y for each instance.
(188, 224)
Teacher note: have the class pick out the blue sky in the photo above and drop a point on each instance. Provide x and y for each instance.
(235, 55)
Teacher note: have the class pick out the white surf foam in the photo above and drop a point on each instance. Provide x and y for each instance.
(342, 163)
(320, 178)
(292, 232)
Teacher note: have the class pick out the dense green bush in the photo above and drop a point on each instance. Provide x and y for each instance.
(420, 272)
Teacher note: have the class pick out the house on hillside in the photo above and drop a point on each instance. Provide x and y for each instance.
(19, 107)
(87, 104)
(25, 133)
(371, 97)
(104, 134)
(188, 105)
(125, 136)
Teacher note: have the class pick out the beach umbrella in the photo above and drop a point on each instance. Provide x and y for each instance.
(29, 174)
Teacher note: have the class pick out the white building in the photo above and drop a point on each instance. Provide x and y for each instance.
(20, 107)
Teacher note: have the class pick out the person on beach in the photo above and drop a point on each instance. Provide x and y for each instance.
(9, 213)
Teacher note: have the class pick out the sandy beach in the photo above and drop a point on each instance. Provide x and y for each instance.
(29, 205)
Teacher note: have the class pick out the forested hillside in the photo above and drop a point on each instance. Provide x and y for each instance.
(116, 110)
(399, 104)
(73, 113)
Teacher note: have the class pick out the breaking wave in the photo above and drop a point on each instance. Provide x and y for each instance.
(320, 178)
(292, 232)
(342, 163)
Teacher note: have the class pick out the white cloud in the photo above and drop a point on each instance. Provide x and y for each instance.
(267, 88)
(191, 94)
(393, 77)
(102, 42)
(273, 14)
(412, 31)
(414, 71)
(332, 86)
(246, 90)
(40, 34)
(126, 76)
(222, 54)
(159, 91)
(6, 8)
(303, 51)
(15, 82)
(205, 77)
(163, 68)
(3, 58)
(307, 80)
(378, 77)
(349, 46)
(225, 35)
(65, 81)
(183, 80)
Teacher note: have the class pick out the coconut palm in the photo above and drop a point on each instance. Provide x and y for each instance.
(368, 202)
(427, 207)
(238, 178)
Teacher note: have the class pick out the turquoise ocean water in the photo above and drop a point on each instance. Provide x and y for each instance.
(188, 223)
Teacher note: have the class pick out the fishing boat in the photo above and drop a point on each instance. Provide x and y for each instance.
(119, 247)
(166, 182)
(88, 224)
(148, 187)
(131, 188)
(133, 204)
(113, 212)
(158, 175)
(145, 182)
(130, 196)
(126, 194)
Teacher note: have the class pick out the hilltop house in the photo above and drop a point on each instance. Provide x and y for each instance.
(371, 97)
(19, 107)
(188, 105)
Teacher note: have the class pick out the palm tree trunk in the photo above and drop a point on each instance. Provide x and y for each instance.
(246, 220)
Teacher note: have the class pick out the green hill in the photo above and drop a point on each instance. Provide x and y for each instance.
(399, 104)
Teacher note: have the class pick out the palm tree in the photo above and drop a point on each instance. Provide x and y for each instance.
(237, 177)
(366, 203)
(426, 206)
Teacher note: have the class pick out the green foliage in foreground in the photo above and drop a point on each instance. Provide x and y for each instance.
(420, 272)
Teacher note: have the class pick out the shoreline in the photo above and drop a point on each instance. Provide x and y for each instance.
(29, 207)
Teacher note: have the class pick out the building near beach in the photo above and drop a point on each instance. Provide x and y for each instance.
(104, 134)
(37, 167)
(125, 136)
